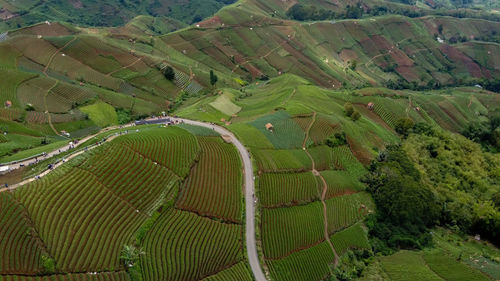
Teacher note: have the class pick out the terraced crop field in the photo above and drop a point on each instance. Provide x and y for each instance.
(278, 189)
(217, 188)
(132, 184)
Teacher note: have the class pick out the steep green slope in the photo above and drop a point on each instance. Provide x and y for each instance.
(109, 13)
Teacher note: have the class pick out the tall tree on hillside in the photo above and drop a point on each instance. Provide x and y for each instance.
(169, 73)
(213, 78)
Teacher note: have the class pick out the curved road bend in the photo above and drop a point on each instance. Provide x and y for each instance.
(251, 243)
(253, 257)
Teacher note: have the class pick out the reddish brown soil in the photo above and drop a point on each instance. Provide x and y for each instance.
(457, 56)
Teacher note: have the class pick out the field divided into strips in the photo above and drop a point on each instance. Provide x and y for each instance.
(35, 117)
(21, 249)
(408, 266)
(33, 92)
(323, 157)
(71, 94)
(112, 276)
(341, 183)
(310, 264)
(450, 269)
(172, 147)
(282, 160)
(10, 81)
(343, 159)
(123, 187)
(282, 189)
(346, 210)
(10, 113)
(131, 177)
(199, 131)
(238, 272)
(288, 230)
(184, 246)
(250, 136)
(286, 133)
(213, 187)
(321, 130)
(80, 238)
(354, 237)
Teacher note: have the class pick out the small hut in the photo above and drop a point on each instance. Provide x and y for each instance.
(269, 127)
(370, 105)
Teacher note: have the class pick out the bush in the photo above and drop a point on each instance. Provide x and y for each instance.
(348, 109)
(403, 126)
(169, 73)
(338, 139)
(355, 116)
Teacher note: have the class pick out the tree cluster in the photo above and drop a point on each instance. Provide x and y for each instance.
(433, 178)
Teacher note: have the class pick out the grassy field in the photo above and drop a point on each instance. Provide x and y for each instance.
(101, 113)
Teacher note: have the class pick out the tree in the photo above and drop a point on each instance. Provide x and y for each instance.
(355, 116)
(348, 109)
(213, 78)
(403, 126)
(169, 73)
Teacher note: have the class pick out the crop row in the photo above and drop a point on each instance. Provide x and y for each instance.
(287, 189)
(35, 117)
(184, 246)
(307, 265)
(238, 272)
(323, 157)
(285, 134)
(20, 248)
(130, 176)
(285, 230)
(340, 183)
(345, 160)
(352, 237)
(173, 148)
(321, 130)
(282, 160)
(83, 223)
(214, 186)
(112, 276)
(346, 210)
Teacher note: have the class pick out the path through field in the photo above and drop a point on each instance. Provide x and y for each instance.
(251, 243)
(323, 193)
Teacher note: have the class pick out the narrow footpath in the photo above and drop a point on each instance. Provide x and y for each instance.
(323, 193)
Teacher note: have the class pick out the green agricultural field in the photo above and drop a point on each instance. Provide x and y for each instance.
(407, 265)
(101, 113)
(219, 188)
(450, 269)
(276, 189)
(225, 105)
(282, 160)
(354, 237)
(346, 210)
(287, 230)
(309, 264)
(285, 134)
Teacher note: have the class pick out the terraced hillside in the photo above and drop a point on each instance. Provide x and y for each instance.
(111, 13)
(307, 190)
(138, 186)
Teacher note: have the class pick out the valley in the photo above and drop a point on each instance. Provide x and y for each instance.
(342, 141)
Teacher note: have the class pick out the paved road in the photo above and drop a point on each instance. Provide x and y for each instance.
(253, 257)
(251, 243)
